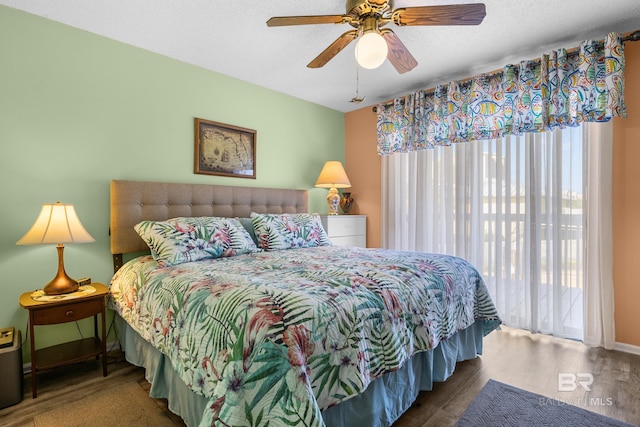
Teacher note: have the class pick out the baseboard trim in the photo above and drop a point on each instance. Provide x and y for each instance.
(627, 348)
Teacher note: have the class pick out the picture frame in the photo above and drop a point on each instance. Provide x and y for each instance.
(224, 150)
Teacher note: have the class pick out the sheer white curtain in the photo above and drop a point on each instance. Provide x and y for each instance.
(516, 207)
(599, 329)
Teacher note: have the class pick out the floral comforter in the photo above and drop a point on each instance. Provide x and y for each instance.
(275, 337)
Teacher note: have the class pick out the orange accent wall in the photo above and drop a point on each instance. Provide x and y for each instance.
(363, 165)
(626, 205)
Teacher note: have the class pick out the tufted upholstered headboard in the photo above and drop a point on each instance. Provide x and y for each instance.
(134, 201)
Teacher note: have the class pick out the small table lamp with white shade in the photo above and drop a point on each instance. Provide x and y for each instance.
(57, 224)
(333, 177)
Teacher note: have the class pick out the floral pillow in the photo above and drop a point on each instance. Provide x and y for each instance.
(285, 231)
(248, 225)
(179, 240)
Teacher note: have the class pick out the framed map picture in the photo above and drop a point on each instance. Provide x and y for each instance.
(225, 150)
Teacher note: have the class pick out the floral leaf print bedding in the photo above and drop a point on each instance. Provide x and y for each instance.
(276, 337)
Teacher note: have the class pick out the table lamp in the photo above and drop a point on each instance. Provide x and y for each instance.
(57, 224)
(333, 177)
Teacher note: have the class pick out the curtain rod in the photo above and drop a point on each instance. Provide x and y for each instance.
(633, 37)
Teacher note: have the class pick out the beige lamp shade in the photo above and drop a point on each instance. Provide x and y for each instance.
(57, 224)
(333, 175)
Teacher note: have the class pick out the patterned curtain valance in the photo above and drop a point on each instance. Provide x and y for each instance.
(560, 89)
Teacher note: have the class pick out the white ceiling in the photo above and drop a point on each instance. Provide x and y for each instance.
(232, 38)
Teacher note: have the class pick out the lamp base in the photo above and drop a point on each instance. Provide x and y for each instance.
(61, 284)
(333, 201)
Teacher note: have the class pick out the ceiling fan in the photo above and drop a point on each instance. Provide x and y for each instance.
(368, 17)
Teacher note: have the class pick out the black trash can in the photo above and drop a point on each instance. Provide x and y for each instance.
(10, 367)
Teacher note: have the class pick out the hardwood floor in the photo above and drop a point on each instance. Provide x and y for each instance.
(532, 362)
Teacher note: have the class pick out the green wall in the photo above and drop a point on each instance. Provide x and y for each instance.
(77, 110)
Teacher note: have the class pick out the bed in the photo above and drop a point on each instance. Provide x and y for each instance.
(264, 322)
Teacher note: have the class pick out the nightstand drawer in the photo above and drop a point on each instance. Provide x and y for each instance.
(346, 230)
(346, 225)
(357, 241)
(67, 312)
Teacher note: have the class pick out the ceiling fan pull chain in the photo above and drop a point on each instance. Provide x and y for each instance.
(356, 99)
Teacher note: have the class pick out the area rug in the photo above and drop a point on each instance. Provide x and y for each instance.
(127, 405)
(500, 404)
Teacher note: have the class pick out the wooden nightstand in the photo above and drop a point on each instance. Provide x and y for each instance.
(346, 230)
(62, 311)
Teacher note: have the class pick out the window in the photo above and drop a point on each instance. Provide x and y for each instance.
(513, 207)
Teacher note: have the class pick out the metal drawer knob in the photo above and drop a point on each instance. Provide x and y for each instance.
(69, 313)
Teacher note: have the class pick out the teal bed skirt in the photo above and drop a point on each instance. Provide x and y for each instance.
(381, 405)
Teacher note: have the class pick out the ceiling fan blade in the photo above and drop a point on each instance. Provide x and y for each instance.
(453, 14)
(333, 49)
(280, 21)
(398, 54)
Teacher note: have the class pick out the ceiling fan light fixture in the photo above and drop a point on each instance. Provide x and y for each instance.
(371, 50)
(368, 17)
